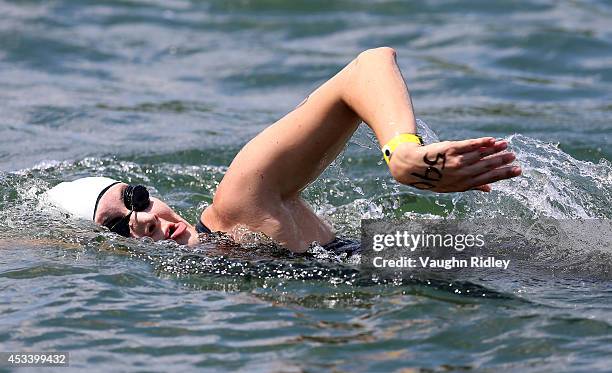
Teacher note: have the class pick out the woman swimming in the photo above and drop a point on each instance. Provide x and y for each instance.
(261, 189)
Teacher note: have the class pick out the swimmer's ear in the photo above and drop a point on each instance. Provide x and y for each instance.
(483, 188)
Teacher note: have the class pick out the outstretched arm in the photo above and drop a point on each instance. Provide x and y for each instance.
(262, 186)
(287, 156)
(376, 91)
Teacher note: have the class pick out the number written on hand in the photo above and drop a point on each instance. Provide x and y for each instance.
(432, 174)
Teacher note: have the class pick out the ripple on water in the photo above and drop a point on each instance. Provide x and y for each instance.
(165, 93)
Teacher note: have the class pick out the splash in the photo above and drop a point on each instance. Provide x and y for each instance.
(553, 184)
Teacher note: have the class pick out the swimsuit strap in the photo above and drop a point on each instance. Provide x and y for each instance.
(342, 245)
(202, 228)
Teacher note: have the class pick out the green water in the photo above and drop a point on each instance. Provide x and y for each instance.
(165, 93)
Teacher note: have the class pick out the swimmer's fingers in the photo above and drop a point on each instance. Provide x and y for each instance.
(489, 163)
(501, 173)
(483, 188)
(476, 155)
(466, 146)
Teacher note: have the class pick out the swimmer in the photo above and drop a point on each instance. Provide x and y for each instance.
(261, 188)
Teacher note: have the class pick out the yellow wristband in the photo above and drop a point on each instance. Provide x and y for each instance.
(389, 147)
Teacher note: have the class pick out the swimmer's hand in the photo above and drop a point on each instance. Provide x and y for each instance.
(453, 166)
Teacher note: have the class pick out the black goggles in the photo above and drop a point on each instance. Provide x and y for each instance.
(135, 198)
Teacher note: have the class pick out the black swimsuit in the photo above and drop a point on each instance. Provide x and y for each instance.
(337, 246)
(201, 228)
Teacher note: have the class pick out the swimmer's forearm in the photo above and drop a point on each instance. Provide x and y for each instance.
(375, 90)
(293, 152)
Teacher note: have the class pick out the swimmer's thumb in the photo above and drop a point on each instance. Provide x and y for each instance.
(483, 188)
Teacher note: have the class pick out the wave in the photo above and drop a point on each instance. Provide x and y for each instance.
(553, 185)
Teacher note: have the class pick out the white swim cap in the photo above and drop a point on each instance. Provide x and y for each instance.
(80, 197)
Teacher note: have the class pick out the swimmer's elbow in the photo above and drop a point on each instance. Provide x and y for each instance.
(372, 62)
(380, 54)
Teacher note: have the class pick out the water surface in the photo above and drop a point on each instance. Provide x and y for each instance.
(166, 92)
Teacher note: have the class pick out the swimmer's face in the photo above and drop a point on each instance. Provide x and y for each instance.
(157, 221)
